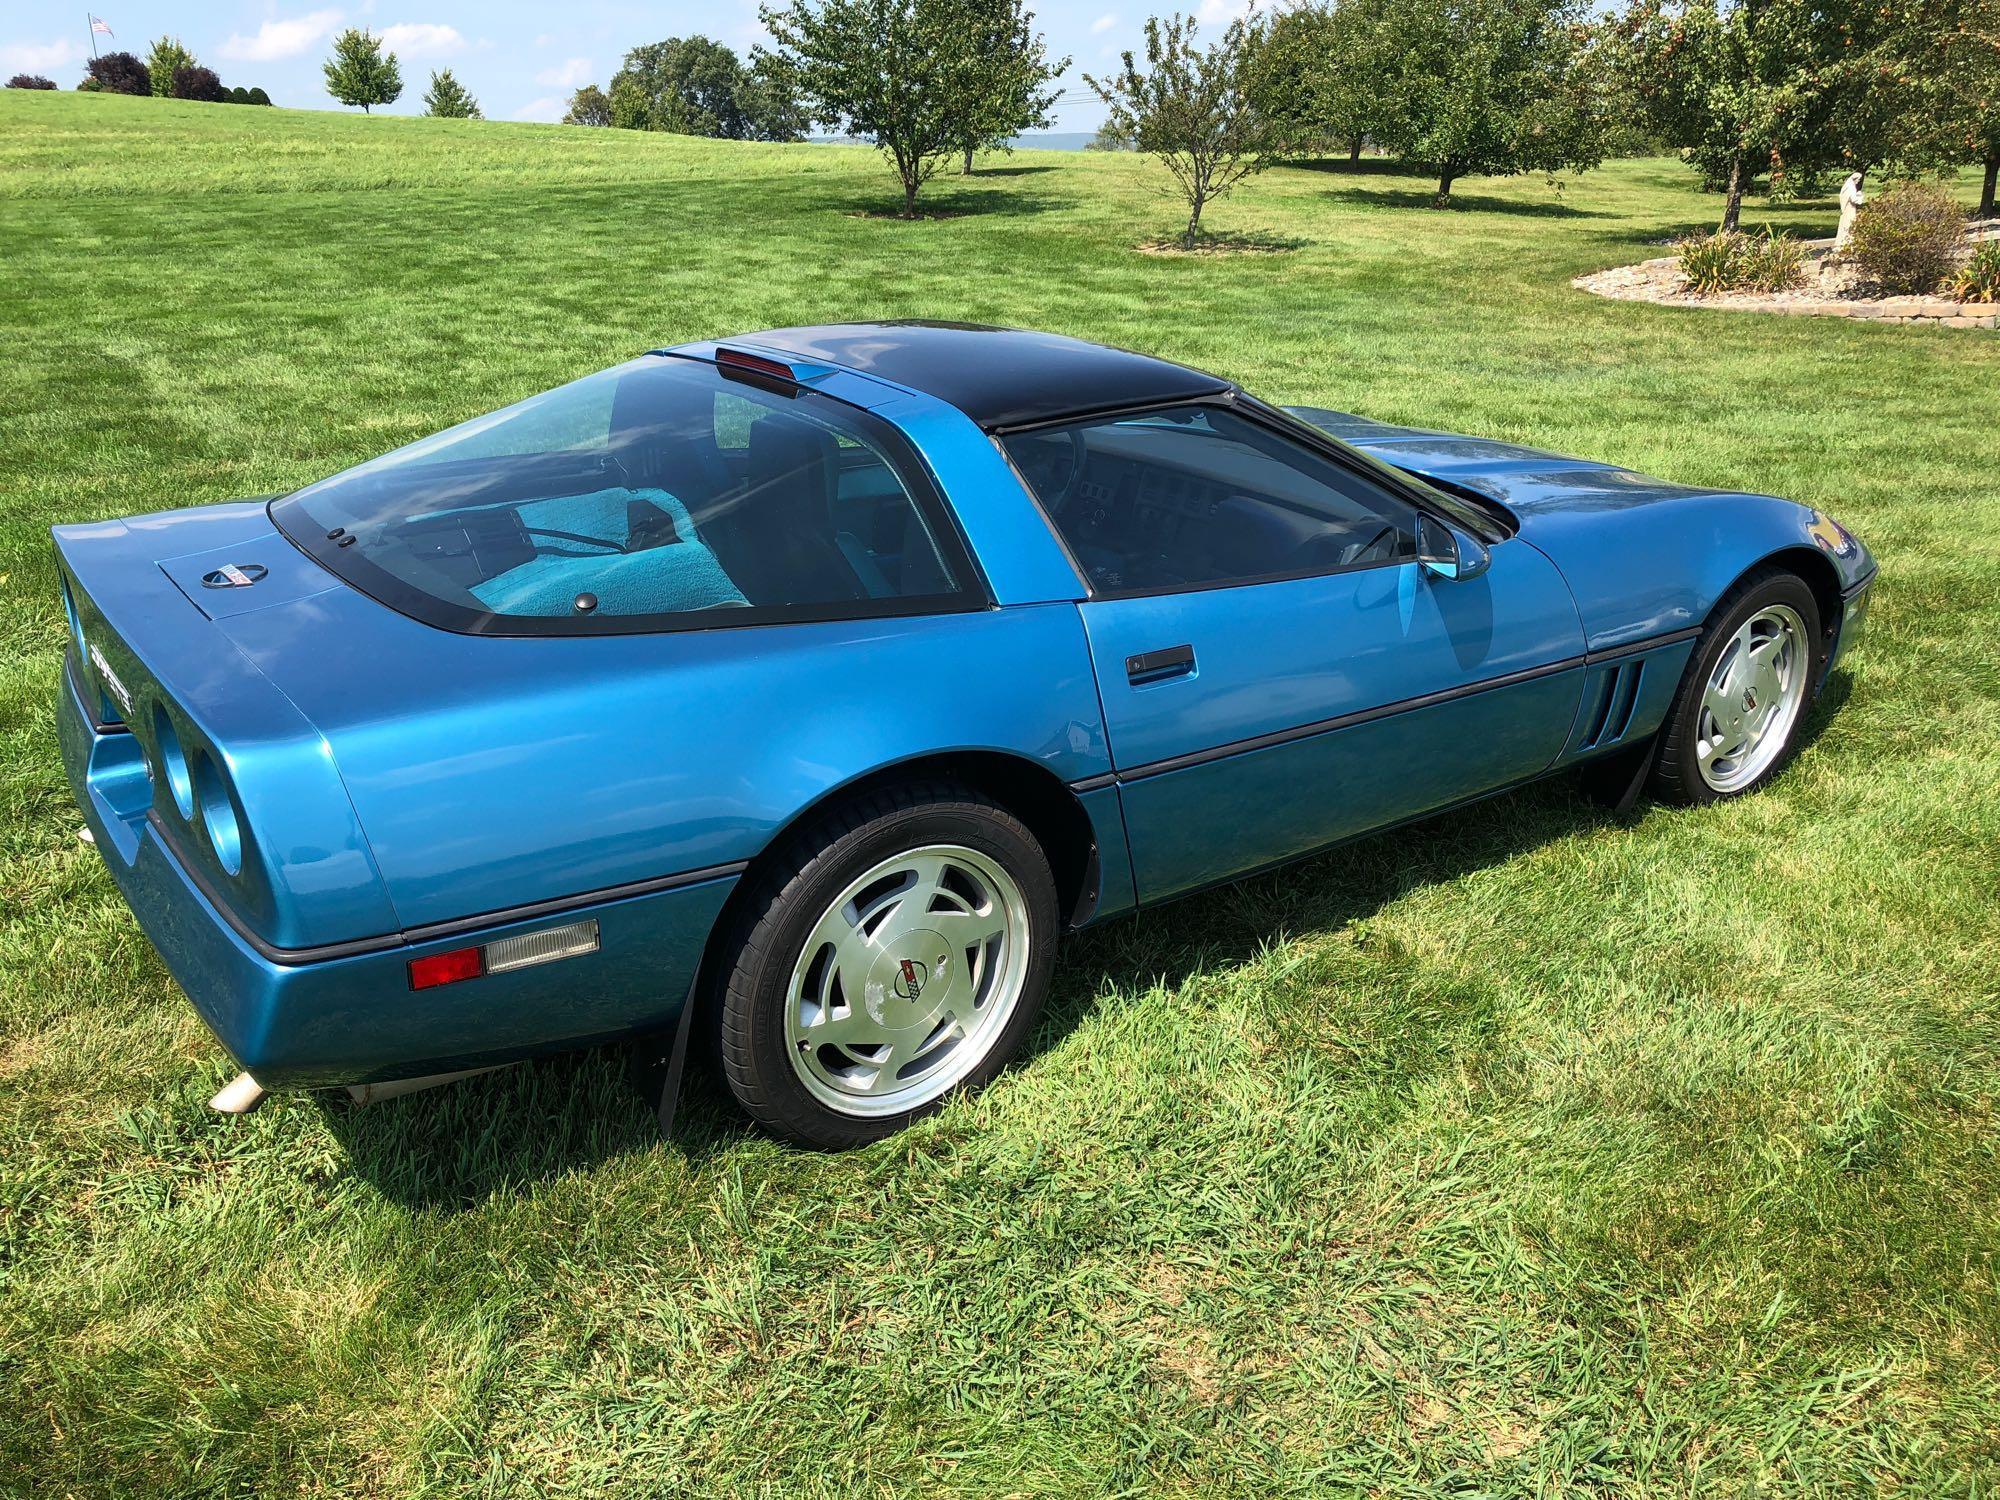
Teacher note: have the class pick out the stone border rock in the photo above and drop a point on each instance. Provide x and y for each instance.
(1829, 293)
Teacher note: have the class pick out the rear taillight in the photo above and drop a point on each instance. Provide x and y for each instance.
(524, 950)
(218, 813)
(173, 762)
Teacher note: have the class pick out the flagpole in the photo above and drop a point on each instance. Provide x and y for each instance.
(90, 25)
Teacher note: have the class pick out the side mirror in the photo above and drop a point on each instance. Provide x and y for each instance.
(1446, 552)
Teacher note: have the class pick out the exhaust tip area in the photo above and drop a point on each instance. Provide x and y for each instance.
(375, 1093)
(239, 1096)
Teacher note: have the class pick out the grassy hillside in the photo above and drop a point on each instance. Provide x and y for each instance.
(1532, 1152)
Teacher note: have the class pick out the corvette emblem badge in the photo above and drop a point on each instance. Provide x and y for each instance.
(233, 576)
(910, 979)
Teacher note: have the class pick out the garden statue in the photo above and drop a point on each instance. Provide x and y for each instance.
(1851, 200)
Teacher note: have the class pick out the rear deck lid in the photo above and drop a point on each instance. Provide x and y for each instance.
(254, 573)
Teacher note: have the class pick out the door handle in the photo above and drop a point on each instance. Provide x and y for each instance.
(1157, 666)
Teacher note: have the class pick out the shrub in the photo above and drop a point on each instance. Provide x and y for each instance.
(1773, 263)
(258, 96)
(167, 58)
(1978, 280)
(1711, 262)
(120, 73)
(1909, 239)
(1727, 261)
(30, 81)
(90, 86)
(193, 81)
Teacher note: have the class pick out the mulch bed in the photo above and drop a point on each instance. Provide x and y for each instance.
(1832, 289)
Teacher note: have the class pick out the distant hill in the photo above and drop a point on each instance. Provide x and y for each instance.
(1054, 140)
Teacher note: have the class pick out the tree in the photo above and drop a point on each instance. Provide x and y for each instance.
(772, 110)
(1109, 138)
(1008, 84)
(359, 72)
(1195, 108)
(1488, 88)
(448, 99)
(1318, 74)
(694, 86)
(1735, 85)
(1933, 80)
(193, 81)
(684, 86)
(167, 55)
(30, 81)
(119, 73)
(894, 72)
(258, 96)
(588, 106)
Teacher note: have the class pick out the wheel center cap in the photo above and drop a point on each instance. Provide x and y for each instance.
(908, 982)
(1749, 700)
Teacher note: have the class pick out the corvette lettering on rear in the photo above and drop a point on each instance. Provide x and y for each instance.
(109, 678)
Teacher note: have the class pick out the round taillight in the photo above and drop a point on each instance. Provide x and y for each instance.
(173, 762)
(218, 814)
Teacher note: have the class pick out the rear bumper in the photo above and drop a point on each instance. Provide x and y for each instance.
(354, 1018)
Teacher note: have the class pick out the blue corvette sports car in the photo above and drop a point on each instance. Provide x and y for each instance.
(811, 684)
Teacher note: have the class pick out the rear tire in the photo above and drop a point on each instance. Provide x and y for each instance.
(896, 952)
(1743, 701)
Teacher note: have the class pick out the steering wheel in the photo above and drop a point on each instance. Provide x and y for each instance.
(1055, 497)
(1388, 533)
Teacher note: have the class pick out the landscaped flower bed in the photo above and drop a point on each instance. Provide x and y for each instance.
(1830, 289)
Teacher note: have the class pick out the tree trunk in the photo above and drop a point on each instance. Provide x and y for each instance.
(1986, 192)
(1445, 179)
(1194, 224)
(966, 169)
(909, 197)
(1732, 208)
(1354, 149)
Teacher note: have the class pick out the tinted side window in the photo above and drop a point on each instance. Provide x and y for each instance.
(1198, 495)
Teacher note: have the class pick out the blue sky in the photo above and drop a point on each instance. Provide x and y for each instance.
(520, 60)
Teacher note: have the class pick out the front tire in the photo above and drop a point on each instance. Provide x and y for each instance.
(897, 952)
(1743, 701)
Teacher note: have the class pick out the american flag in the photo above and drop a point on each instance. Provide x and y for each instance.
(98, 25)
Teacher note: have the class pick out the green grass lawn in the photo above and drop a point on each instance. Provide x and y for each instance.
(1533, 1152)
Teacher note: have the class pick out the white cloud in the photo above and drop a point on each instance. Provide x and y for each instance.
(543, 40)
(39, 57)
(1103, 23)
(542, 109)
(572, 72)
(281, 39)
(421, 39)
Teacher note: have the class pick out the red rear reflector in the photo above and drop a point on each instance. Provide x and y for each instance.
(434, 969)
(737, 359)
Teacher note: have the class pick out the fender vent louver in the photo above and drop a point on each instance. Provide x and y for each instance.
(1616, 694)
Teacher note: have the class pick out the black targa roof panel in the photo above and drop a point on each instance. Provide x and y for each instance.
(999, 377)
